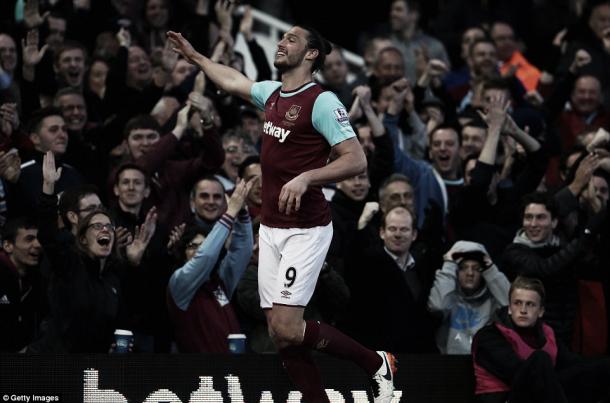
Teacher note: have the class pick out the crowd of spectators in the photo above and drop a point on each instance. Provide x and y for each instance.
(130, 186)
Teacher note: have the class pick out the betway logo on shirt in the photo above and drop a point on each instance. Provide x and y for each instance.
(275, 131)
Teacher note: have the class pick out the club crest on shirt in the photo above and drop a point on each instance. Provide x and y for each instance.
(293, 113)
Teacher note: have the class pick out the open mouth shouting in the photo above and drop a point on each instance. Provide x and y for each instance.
(104, 240)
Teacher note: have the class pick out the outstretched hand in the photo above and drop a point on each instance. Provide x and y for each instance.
(224, 14)
(31, 54)
(496, 112)
(31, 14)
(50, 174)
(183, 47)
(245, 26)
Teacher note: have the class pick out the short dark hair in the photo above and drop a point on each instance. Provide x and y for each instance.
(527, 283)
(190, 232)
(316, 41)
(210, 178)
(445, 126)
(133, 166)
(70, 201)
(12, 227)
(69, 45)
(477, 122)
(141, 122)
(478, 41)
(40, 115)
(249, 160)
(543, 198)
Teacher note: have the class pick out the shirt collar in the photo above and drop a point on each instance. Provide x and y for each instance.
(404, 263)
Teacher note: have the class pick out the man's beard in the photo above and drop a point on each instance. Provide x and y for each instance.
(288, 64)
(282, 68)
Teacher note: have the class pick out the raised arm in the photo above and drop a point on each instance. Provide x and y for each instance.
(226, 78)
(236, 261)
(495, 117)
(529, 143)
(184, 282)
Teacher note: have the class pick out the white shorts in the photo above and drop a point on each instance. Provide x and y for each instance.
(289, 262)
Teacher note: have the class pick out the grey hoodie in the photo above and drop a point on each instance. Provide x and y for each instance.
(463, 316)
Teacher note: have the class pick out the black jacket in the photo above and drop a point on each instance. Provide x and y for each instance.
(23, 196)
(85, 298)
(493, 352)
(21, 308)
(475, 219)
(556, 266)
(388, 309)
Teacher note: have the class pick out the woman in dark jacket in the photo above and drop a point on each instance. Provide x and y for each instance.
(85, 292)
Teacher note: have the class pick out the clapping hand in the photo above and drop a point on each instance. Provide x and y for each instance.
(238, 197)
(175, 236)
(143, 235)
(10, 165)
(369, 210)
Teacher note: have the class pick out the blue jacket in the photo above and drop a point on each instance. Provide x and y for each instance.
(426, 184)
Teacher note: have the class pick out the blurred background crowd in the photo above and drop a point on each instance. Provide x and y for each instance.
(484, 125)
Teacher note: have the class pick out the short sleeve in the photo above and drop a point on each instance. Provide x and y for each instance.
(330, 118)
(261, 91)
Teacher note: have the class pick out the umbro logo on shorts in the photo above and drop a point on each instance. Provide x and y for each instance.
(286, 294)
